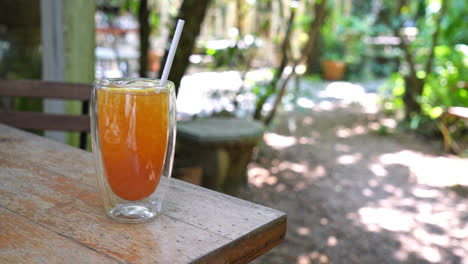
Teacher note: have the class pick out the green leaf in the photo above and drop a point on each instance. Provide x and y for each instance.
(398, 91)
(210, 52)
(256, 89)
(154, 20)
(436, 112)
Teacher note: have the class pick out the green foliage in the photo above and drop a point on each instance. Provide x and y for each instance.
(223, 57)
(448, 84)
(133, 6)
(154, 20)
(334, 46)
(129, 5)
(344, 40)
(354, 29)
(454, 25)
(303, 21)
(232, 56)
(383, 131)
(261, 89)
(392, 93)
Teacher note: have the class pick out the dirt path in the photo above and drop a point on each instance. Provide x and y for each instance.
(352, 195)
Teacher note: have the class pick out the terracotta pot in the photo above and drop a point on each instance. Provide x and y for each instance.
(153, 61)
(333, 70)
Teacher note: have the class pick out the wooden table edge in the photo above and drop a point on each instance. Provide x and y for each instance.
(251, 245)
(248, 247)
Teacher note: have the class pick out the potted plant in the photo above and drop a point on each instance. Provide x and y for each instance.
(333, 64)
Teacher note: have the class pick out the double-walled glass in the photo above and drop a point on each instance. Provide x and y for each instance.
(133, 125)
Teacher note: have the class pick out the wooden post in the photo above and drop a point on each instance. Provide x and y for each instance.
(79, 40)
(52, 56)
(67, 49)
(79, 44)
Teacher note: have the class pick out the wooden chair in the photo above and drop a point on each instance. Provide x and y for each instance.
(47, 121)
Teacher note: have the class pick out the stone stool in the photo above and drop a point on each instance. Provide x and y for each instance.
(221, 146)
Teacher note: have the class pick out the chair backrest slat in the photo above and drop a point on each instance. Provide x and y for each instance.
(45, 121)
(41, 121)
(42, 89)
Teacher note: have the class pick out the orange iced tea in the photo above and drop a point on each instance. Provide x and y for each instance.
(133, 130)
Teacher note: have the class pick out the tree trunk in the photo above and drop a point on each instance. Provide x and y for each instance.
(413, 89)
(413, 85)
(240, 17)
(309, 46)
(193, 12)
(315, 56)
(143, 15)
(279, 70)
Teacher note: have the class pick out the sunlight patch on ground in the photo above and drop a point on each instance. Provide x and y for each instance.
(303, 260)
(313, 257)
(196, 90)
(424, 193)
(259, 75)
(342, 147)
(323, 105)
(422, 232)
(318, 172)
(344, 132)
(305, 103)
(303, 170)
(378, 169)
(422, 227)
(427, 219)
(303, 231)
(373, 183)
(326, 105)
(345, 91)
(308, 120)
(307, 140)
(280, 187)
(387, 218)
(296, 167)
(367, 192)
(351, 93)
(430, 170)
(332, 241)
(277, 141)
(389, 122)
(348, 159)
(203, 93)
(259, 176)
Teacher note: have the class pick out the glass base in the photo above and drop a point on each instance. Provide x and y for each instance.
(126, 213)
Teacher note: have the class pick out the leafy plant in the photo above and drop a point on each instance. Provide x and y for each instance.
(334, 45)
(443, 79)
(448, 85)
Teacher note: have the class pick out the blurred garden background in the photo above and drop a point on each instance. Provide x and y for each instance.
(364, 104)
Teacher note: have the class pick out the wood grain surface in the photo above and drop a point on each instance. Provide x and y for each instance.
(50, 211)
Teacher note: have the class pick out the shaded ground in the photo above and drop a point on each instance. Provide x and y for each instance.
(352, 195)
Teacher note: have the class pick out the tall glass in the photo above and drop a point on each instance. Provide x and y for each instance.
(133, 126)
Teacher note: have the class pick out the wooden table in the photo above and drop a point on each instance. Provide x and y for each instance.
(50, 212)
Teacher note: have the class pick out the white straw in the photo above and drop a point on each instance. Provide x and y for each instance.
(172, 50)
